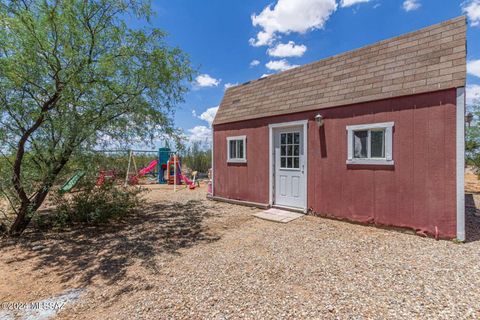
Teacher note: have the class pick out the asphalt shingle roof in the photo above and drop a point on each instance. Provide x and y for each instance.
(426, 60)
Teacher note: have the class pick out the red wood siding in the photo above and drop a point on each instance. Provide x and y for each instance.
(418, 192)
(242, 181)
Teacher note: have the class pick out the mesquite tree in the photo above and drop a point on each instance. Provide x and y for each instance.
(72, 73)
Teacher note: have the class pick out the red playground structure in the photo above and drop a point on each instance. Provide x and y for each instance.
(174, 173)
(105, 175)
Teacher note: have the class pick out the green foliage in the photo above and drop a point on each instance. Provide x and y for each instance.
(472, 139)
(73, 76)
(472, 135)
(197, 158)
(92, 206)
(474, 161)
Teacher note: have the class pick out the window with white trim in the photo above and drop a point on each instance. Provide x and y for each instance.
(237, 149)
(370, 144)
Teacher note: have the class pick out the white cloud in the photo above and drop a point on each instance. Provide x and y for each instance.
(205, 80)
(194, 113)
(265, 75)
(254, 63)
(209, 115)
(200, 134)
(473, 93)
(472, 9)
(289, 49)
(263, 39)
(203, 133)
(349, 3)
(291, 16)
(473, 67)
(410, 5)
(279, 65)
(229, 85)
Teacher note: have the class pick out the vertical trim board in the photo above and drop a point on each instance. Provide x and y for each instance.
(460, 163)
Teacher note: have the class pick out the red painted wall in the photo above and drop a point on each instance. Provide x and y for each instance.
(418, 192)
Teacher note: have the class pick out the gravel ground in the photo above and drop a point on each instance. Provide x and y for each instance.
(187, 257)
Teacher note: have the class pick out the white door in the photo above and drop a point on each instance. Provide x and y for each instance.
(290, 188)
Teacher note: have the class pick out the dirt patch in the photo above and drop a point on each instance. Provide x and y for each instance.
(40, 265)
(186, 257)
(472, 184)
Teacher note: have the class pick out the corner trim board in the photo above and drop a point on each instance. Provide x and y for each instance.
(460, 128)
(213, 162)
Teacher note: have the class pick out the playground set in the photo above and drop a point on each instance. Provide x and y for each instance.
(165, 169)
(168, 165)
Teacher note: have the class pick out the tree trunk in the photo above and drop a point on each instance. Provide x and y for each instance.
(29, 207)
(26, 211)
(21, 222)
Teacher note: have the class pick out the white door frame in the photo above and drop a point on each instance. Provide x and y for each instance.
(271, 152)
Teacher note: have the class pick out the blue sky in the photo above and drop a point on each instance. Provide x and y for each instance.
(234, 41)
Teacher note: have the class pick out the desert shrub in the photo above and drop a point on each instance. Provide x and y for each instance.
(197, 157)
(94, 205)
(474, 161)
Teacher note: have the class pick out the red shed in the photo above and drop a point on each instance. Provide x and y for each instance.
(375, 135)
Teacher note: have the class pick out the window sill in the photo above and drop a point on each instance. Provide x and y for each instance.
(377, 162)
(237, 161)
(289, 169)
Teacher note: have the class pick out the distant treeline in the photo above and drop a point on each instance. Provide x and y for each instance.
(197, 158)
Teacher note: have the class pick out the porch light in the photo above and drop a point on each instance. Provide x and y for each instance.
(319, 120)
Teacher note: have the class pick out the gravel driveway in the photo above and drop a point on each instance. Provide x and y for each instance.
(228, 265)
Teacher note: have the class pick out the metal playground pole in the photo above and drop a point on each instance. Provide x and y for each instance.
(174, 172)
(128, 169)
